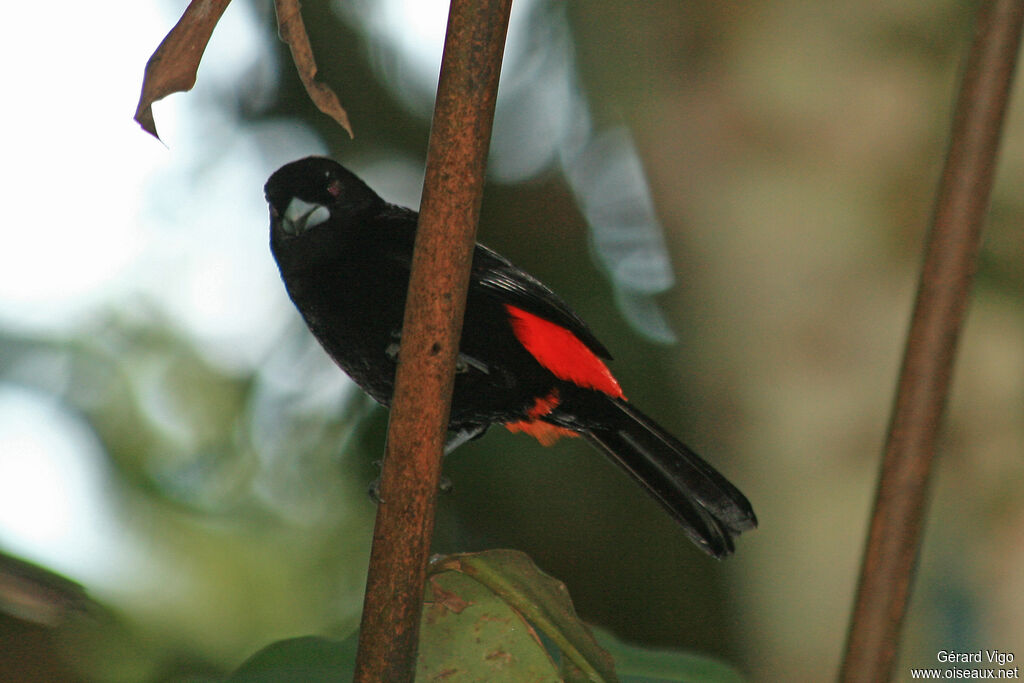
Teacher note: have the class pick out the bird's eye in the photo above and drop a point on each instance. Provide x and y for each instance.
(334, 188)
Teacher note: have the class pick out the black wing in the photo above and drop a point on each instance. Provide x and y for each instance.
(493, 276)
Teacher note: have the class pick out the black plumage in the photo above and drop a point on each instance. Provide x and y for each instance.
(526, 360)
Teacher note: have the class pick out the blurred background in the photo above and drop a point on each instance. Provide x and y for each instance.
(734, 195)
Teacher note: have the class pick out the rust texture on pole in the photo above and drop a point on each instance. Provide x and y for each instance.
(453, 186)
(943, 291)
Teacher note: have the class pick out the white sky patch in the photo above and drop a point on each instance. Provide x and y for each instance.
(75, 164)
(423, 25)
(52, 481)
(412, 32)
(74, 160)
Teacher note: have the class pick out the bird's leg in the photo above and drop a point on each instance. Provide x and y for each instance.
(463, 362)
(454, 441)
(392, 349)
(373, 490)
(462, 436)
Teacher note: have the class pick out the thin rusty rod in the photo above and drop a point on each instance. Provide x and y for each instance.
(943, 291)
(452, 190)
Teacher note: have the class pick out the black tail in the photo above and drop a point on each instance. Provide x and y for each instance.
(710, 509)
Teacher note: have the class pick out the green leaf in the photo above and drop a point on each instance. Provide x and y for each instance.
(470, 634)
(493, 616)
(642, 665)
(309, 659)
(541, 600)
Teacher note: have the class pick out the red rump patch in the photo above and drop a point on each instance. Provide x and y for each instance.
(561, 352)
(545, 432)
(543, 405)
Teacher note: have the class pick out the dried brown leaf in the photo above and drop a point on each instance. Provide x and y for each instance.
(32, 593)
(173, 66)
(293, 31)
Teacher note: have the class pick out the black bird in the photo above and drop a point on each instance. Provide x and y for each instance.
(526, 360)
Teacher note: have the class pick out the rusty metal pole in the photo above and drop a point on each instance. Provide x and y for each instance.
(456, 159)
(943, 292)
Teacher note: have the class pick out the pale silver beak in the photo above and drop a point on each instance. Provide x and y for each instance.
(301, 216)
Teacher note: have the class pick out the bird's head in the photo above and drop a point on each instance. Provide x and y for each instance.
(309, 192)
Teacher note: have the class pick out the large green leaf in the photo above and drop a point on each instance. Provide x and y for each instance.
(469, 634)
(542, 601)
(308, 659)
(642, 665)
(493, 616)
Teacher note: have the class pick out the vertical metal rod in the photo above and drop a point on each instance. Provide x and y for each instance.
(456, 159)
(943, 291)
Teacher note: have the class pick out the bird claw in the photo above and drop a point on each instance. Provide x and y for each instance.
(444, 485)
(462, 436)
(373, 490)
